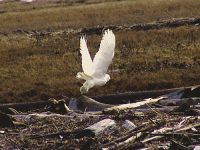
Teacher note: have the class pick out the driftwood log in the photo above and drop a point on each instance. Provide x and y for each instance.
(119, 98)
(101, 102)
(85, 103)
(178, 102)
(117, 109)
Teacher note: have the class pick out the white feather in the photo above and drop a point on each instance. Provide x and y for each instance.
(104, 56)
(94, 72)
(86, 59)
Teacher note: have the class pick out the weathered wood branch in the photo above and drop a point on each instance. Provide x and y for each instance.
(124, 144)
(169, 134)
(189, 127)
(117, 109)
(85, 103)
(130, 136)
(119, 98)
(170, 129)
(167, 109)
(178, 102)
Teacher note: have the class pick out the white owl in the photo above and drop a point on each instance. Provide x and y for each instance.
(94, 72)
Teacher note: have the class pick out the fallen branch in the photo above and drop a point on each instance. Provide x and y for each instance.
(130, 136)
(125, 144)
(175, 131)
(174, 134)
(119, 98)
(189, 127)
(85, 103)
(168, 109)
(178, 102)
(117, 109)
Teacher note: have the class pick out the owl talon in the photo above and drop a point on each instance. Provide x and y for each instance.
(83, 90)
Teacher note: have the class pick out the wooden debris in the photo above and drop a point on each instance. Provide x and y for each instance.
(117, 109)
(129, 139)
(13, 111)
(164, 109)
(101, 126)
(161, 135)
(125, 144)
(171, 134)
(58, 106)
(85, 103)
(162, 130)
(189, 127)
(145, 124)
(178, 102)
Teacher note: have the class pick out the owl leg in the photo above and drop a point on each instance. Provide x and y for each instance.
(83, 90)
(82, 75)
(86, 86)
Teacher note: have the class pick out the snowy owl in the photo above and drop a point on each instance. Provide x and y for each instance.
(94, 72)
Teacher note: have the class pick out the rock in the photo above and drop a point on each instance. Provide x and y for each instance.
(129, 125)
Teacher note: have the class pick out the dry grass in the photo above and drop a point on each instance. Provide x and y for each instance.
(33, 70)
(119, 12)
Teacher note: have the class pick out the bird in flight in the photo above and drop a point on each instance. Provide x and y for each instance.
(94, 72)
